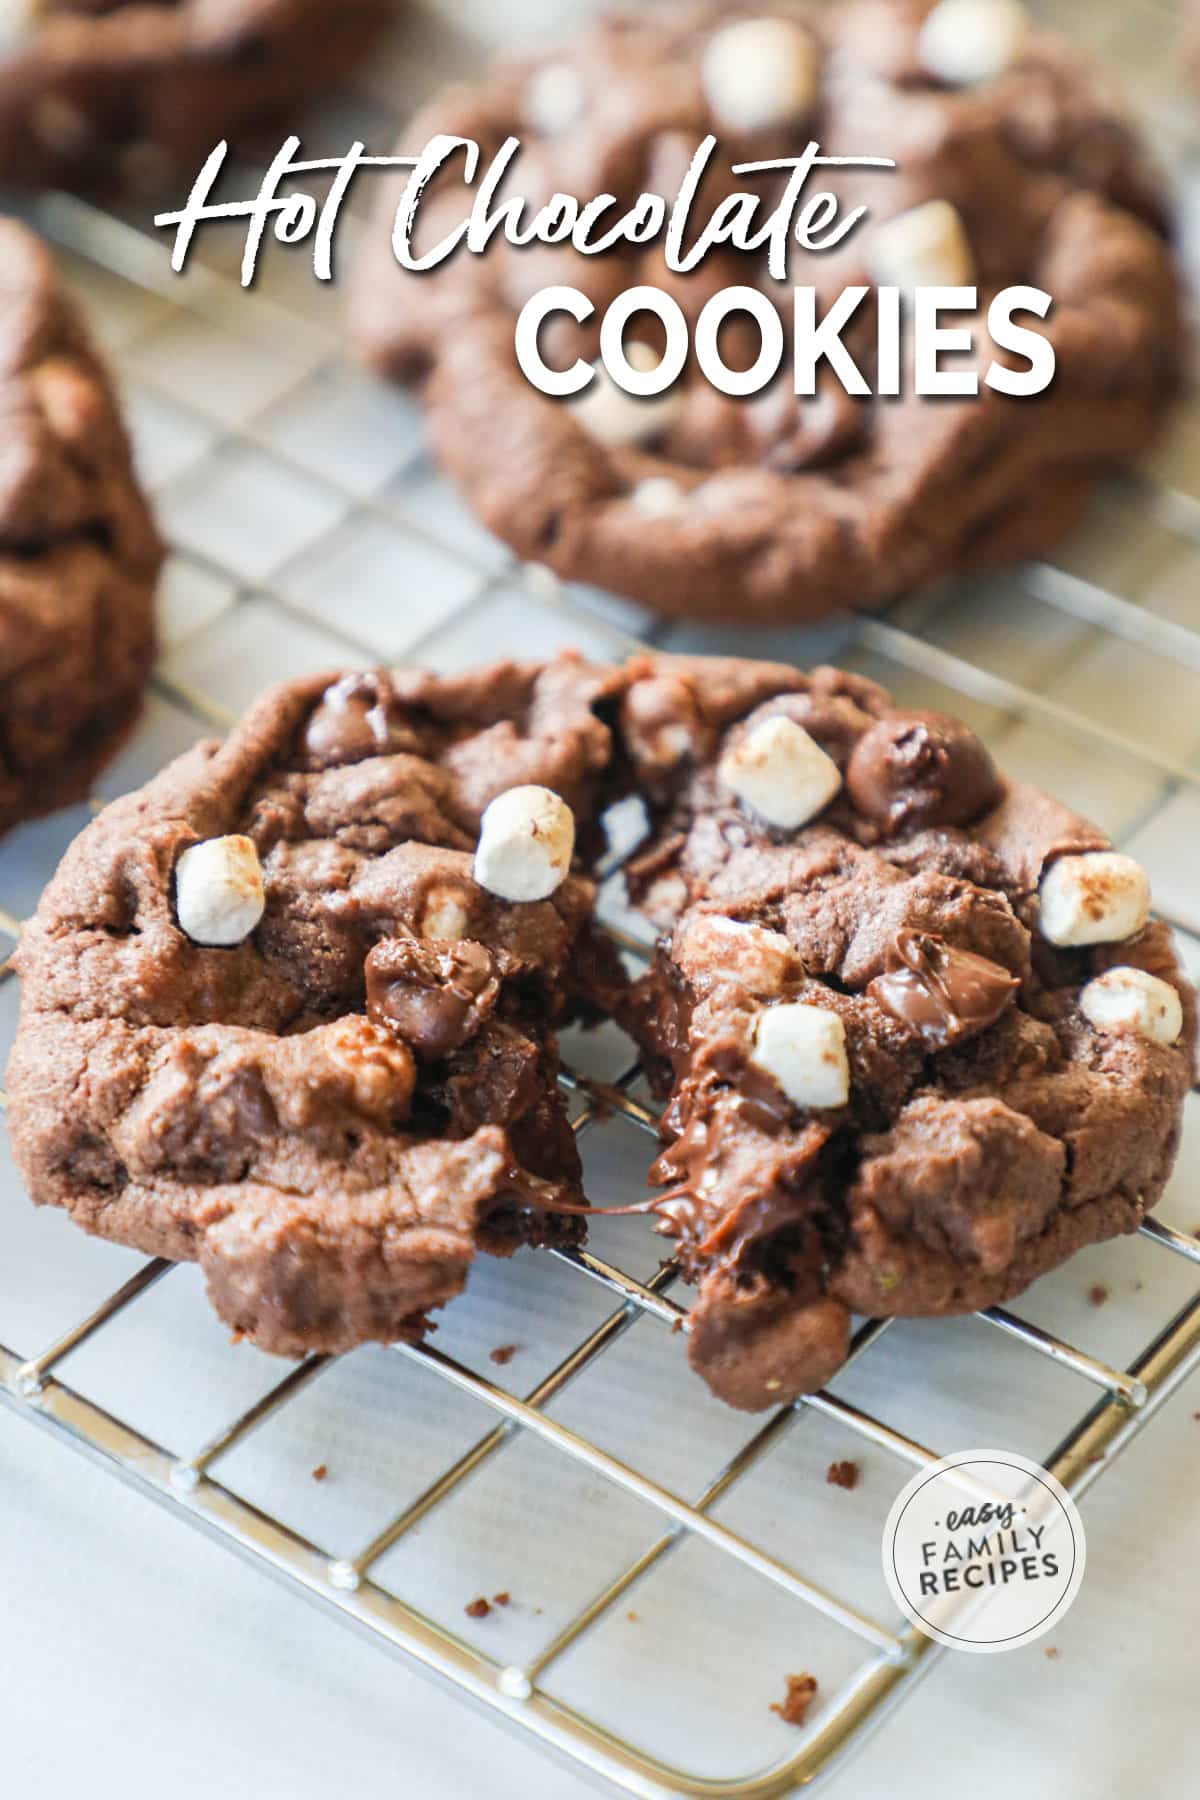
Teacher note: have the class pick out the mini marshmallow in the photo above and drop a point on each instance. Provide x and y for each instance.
(710, 949)
(964, 42)
(444, 915)
(219, 895)
(760, 74)
(781, 772)
(803, 1049)
(554, 99)
(619, 419)
(924, 247)
(1100, 897)
(1124, 999)
(658, 497)
(526, 842)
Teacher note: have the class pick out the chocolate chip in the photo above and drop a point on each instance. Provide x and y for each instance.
(945, 994)
(917, 769)
(435, 995)
(357, 717)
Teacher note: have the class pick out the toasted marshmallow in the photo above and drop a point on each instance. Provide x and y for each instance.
(1123, 1000)
(380, 1067)
(760, 74)
(554, 99)
(619, 419)
(964, 42)
(781, 772)
(803, 1049)
(219, 895)
(526, 842)
(924, 247)
(1100, 897)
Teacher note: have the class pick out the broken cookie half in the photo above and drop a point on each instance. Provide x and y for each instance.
(290, 1011)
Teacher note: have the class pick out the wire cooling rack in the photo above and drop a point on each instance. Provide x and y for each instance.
(664, 1562)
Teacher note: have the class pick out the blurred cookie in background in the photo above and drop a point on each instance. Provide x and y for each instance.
(1189, 42)
(99, 95)
(79, 555)
(1014, 166)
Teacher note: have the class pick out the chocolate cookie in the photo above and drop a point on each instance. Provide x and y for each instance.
(291, 1010)
(79, 557)
(1014, 167)
(105, 94)
(920, 1039)
(274, 1025)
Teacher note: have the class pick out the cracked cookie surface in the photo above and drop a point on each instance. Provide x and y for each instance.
(773, 507)
(886, 1089)
(79, 556)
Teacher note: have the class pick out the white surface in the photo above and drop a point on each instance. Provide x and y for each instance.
(137, 1657)
(137, 1660)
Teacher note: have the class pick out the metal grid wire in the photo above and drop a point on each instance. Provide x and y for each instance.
(308, 530)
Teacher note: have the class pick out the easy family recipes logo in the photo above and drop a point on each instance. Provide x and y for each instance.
(919, 261)
(984, 1551)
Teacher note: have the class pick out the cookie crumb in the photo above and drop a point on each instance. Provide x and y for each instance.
(504, 1353)
(501, 1599)
(1050, 1653)
(478, 1609)
(843, 1474)
(1097, 1295)
(801, 1692)
(634, 1618)
(320, 1472)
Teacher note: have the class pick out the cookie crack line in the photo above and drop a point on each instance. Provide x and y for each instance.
(293, 1011)
(1015, 173)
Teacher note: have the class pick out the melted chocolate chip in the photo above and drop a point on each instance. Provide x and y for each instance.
(917, 769)
(357, 717)
(946, 995)
(435, 996)
(734, 1186)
